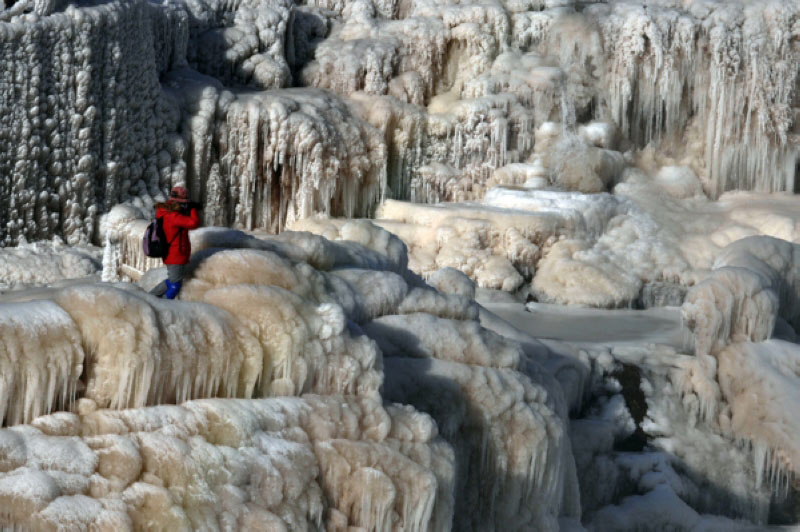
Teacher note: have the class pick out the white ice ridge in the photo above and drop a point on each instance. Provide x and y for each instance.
(41, 360)
(46, 262)
(651, 240)
(271, 464)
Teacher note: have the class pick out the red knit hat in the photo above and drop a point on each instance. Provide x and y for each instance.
(179, 194)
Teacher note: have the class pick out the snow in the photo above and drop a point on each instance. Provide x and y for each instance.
(578, 325)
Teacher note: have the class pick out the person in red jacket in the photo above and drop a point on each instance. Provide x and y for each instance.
(179, 217)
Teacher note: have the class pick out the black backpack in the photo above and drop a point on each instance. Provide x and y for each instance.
(154, 243)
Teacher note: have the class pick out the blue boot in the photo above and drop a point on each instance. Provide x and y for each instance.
(172, 289)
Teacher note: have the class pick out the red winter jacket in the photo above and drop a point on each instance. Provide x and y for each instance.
(176, 229)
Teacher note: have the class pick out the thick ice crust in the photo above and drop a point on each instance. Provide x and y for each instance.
(291, 315)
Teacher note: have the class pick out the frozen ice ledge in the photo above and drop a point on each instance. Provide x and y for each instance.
(272, 111)
(301, 383)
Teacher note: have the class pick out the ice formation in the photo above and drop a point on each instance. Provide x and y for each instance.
(44, 263)
(754, 281)
(281, 464)
(576, 304)
(279, 316)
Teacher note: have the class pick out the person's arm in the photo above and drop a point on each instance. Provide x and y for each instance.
(190, 221)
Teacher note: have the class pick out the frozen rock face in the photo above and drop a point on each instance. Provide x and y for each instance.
(241, 43)
(265, 159)
(474, 420)
(421, 101)
(648, 459)
(84, 120)
(674, 75)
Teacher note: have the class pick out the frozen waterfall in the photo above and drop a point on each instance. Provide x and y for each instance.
(466, 265)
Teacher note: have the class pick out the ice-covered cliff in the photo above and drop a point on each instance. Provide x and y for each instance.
(107, 102)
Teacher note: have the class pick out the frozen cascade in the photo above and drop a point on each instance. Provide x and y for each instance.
(287, 309)
(278, 156)
(722, 69)
(669, 74)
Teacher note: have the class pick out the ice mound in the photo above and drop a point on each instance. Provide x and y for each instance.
(501, 242)
(44, 263)
(629, 243)
(452, 281)
(288, 464)
(485, 243)
(754, 281)
(603, 282)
